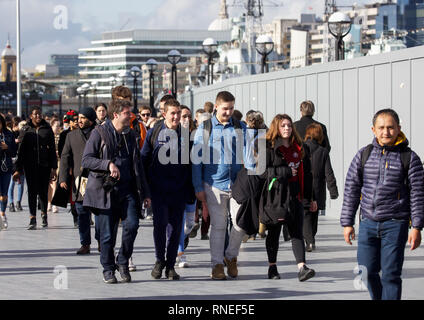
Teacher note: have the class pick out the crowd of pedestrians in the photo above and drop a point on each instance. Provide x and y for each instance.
(229, 175)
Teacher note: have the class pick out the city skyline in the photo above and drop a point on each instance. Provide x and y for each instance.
(61, 27)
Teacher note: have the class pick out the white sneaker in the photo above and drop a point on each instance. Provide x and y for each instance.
(55, 209)
(182, 262)
(4, 222)
(131, 266)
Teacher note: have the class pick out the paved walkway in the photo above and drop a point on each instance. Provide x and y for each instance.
(28, 260)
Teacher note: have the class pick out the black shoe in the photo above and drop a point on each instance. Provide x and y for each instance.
(12, 207)
(98, 245)
(273, 272)
(171, 274)
(193, 232)
(18, 206)
(84, 250)
(204, 237)
(308, 247)
(124, 271)
(44, 223)
(186, 241)
(305, 273)
(32, 224)
(157, 270)
(109, 277)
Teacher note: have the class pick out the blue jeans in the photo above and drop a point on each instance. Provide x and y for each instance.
(124, 208)
(12, 189)
(381, 247)
(167, 223)
(84, 224)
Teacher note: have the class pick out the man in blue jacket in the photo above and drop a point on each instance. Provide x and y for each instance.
(169, 178)
(387, 180)
(116, 187)
(225, 153)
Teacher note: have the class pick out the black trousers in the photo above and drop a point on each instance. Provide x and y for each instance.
(38, 180)
(310, 227)
(295, 229)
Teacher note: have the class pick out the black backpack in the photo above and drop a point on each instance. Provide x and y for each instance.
(405, 157)
(274, 205)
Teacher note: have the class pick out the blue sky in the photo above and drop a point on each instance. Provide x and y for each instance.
(88, 18)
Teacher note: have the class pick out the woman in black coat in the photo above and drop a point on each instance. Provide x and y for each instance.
(322, 173)
(287, 191)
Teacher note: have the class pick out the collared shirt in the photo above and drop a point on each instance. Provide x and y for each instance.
(227, 154)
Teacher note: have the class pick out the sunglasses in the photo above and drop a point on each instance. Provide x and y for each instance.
(145, 114)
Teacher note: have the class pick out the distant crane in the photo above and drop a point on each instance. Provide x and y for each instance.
(125, 24)
(254, 14)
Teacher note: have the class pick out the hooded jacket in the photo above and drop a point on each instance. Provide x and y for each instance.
(382, 193)
(37, 148)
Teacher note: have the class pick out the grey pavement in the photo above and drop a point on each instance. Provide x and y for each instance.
(28, 260)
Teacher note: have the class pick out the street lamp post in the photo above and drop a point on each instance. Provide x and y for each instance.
(85, 88)
(79, 92)
(94, 88)
(152, 66)
(27, 95)
(174, 56)
(339, 25)
(210, 47)
(264, 46)
(135, 73)
(60, 92)
(40, 95)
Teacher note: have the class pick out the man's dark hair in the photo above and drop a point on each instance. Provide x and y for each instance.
(237, 115)
(101, 104)
(185, 107)
(198, 111)
(34, 108)
(170, 103)
(225, 96)
(167, 97)
(144, 107)
(121, 92)
(249, 112)
(389, 112)
(117, 106)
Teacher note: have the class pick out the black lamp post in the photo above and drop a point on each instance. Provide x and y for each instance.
(27, 95)
(135, 73)
(174, 56)
(152, 66)
(264, 46)
(85, 88)
(40, 95)
(210, 47)
(60, 92)
(94, 88)
(339, 25)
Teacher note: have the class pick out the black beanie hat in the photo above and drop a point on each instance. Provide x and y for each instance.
(89, 113)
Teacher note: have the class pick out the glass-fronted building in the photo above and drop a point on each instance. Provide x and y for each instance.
(117, 52)
(67, 63)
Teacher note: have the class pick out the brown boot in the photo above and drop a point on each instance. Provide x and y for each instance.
(231, 267)
(218, 272)
(84, 250)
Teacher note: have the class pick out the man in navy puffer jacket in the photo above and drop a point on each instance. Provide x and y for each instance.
(388, 204)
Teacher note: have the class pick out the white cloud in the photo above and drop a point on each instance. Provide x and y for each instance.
(39, 38)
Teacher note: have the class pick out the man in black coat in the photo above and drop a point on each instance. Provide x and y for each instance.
(307, 110)
(71, 170)
(37, 159)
